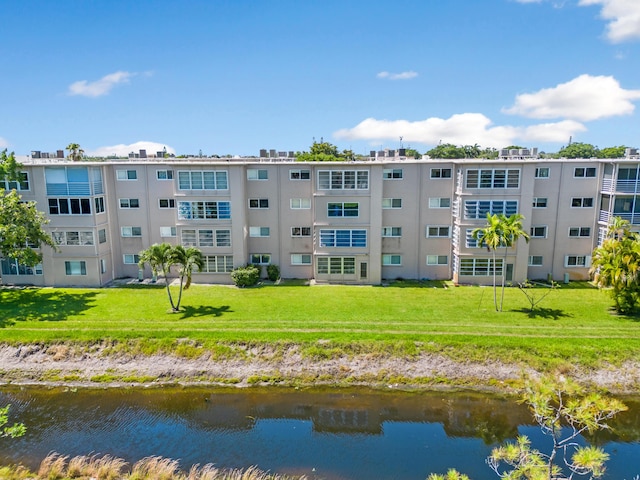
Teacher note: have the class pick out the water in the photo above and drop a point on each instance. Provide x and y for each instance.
(329, 433)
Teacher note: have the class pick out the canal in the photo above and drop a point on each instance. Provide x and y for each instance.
(322, 433)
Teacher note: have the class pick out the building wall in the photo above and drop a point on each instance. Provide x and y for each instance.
(283, 212)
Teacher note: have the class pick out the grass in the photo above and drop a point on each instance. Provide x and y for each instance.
(574, 324)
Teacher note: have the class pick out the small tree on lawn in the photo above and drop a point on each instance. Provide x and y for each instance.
(186, 259)
(160, 259)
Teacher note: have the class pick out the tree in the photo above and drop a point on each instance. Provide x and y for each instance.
(579, 150)
(186, 259)
(613, 152)
(75, 152)
(564, 411)
(412, 152)
(616, 265)
(21, 224)
(500, 231)
(324, 152)
(162, 257)
(447, 150)
(15, 430)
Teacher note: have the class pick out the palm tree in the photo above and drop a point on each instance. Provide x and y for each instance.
(512, 227)
(160, 258)
(75, 152)
(616, 265)
(491, 236)
(186, 259)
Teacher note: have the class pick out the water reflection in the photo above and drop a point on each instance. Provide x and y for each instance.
(334, 434)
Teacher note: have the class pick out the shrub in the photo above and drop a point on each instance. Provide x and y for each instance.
(273, 272)
(245, 276)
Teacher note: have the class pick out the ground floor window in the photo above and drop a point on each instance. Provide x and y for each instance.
(217, 264)
(260, 259)
(12, 267)
(75, 267)
(300, 259)
(391, 260)
(480, 267)
(336, 265)
(577, 261)
(437, 260)
(131, 258)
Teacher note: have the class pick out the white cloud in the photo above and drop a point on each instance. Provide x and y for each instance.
(123, 150)
(623, 17)
(99, 87)
(460, 129)
(408, 75)
(584, 98)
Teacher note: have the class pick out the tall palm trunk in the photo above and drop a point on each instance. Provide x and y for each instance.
(167, 282)
(495, 295)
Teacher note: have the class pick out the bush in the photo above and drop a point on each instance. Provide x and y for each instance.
(273, 272)
(245, 276)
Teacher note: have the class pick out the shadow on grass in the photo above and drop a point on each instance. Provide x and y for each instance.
(546, 313)
(37, 304)
(417, 284)
(203, 311)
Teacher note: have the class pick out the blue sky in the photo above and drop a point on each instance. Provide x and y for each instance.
(235, 76)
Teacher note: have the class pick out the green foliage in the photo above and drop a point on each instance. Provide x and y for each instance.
(613, 152)
(75, 152)
(579, 150)
(13, 431)
(162, 257)
(21, 224)
(616, 265)
(412, 152)
(324, 152)
(447, 150)
(452, 474)
(246, 276)
(273, 272)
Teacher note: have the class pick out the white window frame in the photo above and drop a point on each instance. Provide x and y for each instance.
(262, 258)
(301, 258)
(535, 261)
(543, 172)
(437, 260)
(436, 202)
(259, 203)
(391, 260)
(300, 203)
(437, 173)
(168, 232)
(438, 234)
(126, 175)
(260, 232)
(584, 172)
(534, 234)
(300, 175)
(130, 258)
(340, 209)
(131, 232)
(257, 174)
(392, 174)
(171, 203)
(295, 234)
(391, 232)
(538, 201)
(582, 202)
(164, 175)
(578, 232)
(125, 203)
(391, 203)
(579, 261)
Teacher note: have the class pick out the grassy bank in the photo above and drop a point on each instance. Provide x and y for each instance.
(573, 324)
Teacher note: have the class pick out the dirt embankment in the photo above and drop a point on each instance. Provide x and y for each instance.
(68, 365)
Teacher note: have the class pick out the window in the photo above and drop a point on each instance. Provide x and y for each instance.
(391, 203)
(73, 238)
(131, 258)
(471, 242)
(258, 203)
(167, 231)
(260, 259)
(539, 231)
(131, 231)
(480, 267)
(203, 180)
(582, 202)
(299, 174)
(217, 264)
(542, 172)
(539, 202)
(300, 259)
(347, 209)
(535, 260)
(258, 231)
(584, 172)
(493, 178)
(69, 206)
(75, 267)
(205, 238)
(12, 267)
(438, 231)
(126, 174)
(336, 265)
(204, 210)
(343, 238)
(388, 259)
(577, 261)
(102, 236)
(391, 231)
(256, 174)
(188, 238)
(478, 209)
(164, 174)
(300, 231)
(21, 184)
(223, 238)
(443, 202)
(627, 173)
(103, 265)
(300, 203)
(167, 203)
(440, 173)
(437, 260)
(392, 174)
(343, 179)
(129, 203)
(99, 202)
(579, 232)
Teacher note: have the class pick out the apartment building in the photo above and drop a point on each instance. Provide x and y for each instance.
(359, 222)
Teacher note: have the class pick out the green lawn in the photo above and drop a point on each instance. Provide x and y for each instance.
(573, 324)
